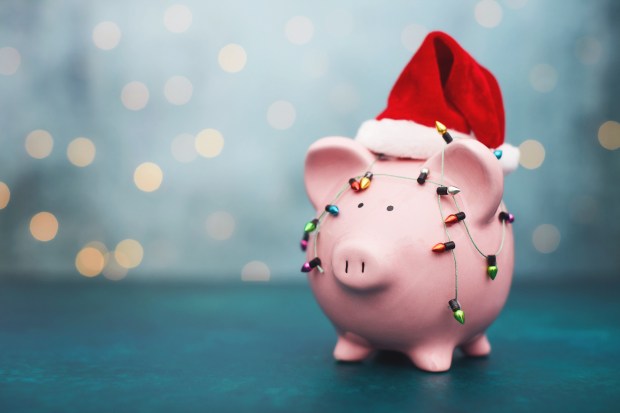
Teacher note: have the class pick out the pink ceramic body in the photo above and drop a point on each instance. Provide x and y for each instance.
(400, 299)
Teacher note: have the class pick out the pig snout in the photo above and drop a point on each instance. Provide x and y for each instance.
(357, 266)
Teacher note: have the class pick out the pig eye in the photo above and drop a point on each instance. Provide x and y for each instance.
(390, 208)
(361, 204)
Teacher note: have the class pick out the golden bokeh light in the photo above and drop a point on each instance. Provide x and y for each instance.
(232, 58)
(106, 35)
(546, 238)
(89, 261)
(299, 30)
(113, 270)
(220, 225)
(5, 195)
(532, 154)
(178, 18)
(255, 271)
(209, 143)
(39, 144)
(281, 114)
(129, 253)
(99, 246)
(178, 90)
(148, 177)
(135, 95)
(543, 78)
(488, 13)
(44, 226)
(609, 135)
(81, 152)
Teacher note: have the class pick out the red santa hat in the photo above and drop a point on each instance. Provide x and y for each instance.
(441, 82)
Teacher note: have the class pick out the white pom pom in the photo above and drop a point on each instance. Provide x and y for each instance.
(510, 158)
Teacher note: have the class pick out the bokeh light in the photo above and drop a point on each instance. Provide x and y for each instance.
(412, 35)
(232, 58)
(532, 154)
(113, 270)
(543, 78)
(129, 253)
(546, 238)
(209, 143)
(178, 90)
(148, 177)
(135, 95)
(10, 59)
(39, 144)
(220, 225)
(89, 261)
(81, 152)
(609, 135)
(44, 226)
(299, 30)
(588, 50)
(315, 63)
(106, 35)
(488, 13)
(178, 18)
(183, 148)
(255, 271)
(281, 115)
(5, 195)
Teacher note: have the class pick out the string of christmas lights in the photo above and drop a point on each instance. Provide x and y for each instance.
(362, 182)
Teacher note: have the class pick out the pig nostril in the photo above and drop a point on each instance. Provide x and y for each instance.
(363, 265)
(346, 267)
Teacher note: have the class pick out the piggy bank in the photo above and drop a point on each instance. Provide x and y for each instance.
(380, 282)
(411, 248)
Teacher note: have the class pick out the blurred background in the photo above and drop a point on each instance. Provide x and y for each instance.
(150, 140)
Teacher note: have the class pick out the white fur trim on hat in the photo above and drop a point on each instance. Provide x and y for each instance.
(510, 158)
(407, 139)
(401, 138)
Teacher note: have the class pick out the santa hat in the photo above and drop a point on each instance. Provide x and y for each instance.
(441, 82)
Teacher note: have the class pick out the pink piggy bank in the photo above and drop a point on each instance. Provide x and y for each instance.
(412, 250)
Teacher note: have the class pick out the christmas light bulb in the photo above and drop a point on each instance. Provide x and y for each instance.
(452, 218)
(308, 266)
(441, 128)
(311, 226)
(304, 241)
(443, 131)
(423, 175)
(443, 246)
(505, 216)
(492, 266)
(445, 190)
(459, 315)
(332, 209)
(498, 153)
(365, 181)
(354, 184)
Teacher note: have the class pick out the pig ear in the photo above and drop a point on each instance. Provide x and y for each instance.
(330, 163)
(471, 167)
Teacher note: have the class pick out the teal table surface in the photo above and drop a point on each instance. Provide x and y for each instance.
(95, 346)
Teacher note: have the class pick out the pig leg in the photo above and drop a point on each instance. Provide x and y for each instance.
(433, 358)
(351, 347)
(478, 347)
